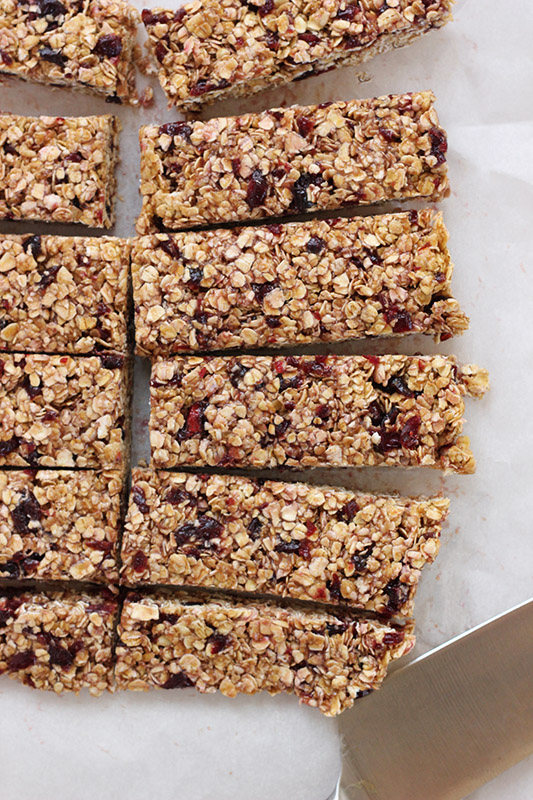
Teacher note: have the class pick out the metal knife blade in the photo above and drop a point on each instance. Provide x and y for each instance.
(449, 721)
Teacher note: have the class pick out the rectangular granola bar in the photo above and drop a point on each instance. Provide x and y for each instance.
(58, 169)
(62, 294)
(286, 539)
(64, 411)
(326, 660)
(309, 411)
(58, 641)
(213, 49)
(316, 281)
(291, 160)
(60, 525)
(87, 46)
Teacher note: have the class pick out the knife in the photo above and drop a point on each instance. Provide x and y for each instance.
(449, 721)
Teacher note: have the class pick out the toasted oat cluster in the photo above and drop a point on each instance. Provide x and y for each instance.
(212, 49)
(293, 160)
(288, 539)
(58, 169)
(63, 411)
(58, 641)
(275, 285)
(327, 661)
(60, 525)
(88, 46)
(62, 294)
(309, 411)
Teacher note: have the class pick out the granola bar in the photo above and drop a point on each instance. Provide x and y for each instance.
(309, 411)
(325, 660)
(322, 280)
(62, 294)
(213, 49)
(88, 46)
(287, 539)
(58, 641)
(64, 411)
(60, 525)
(293, 160)
(58, 169)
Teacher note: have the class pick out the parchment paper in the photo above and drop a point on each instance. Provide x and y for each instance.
(182, 745)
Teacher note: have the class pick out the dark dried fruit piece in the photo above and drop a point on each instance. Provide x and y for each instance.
(178, 680)
(398, 594)
(300, 199)
(112, 360)
(139, 498)
(48, 276)
(262, 289)
(53, 56)
(410, 432)
(176, 129)
(335, 629)
(139, 561)
(305, 125)
(175, 496)
(22, 660)
(27, 510)
(293, 546)
(33, 245)
(237, 373)
(170, 247)
(315, 245)
(350, 510)
(254, 528)
(257, 189)
(439, 144)
(60, 656)
(9, 445)
(334, 587)
(108, 46)
(194, 421)
(218, 642)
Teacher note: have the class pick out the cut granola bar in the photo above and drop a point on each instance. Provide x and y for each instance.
(58, 641)
(88, 46)
(63, 294)
(63, 411)
(322, 280)
(58, 169)
(326, 660)
(287, 539)
(293, 160)
(212, 49)
(308, 411)
(60, 525)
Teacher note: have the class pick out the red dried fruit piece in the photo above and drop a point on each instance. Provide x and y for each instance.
(29, 388)
(309, 38)
(311, 527)
(413, 217)
(5, 58)
(393, 638)
(33, 245)
(305, 125)
(398, 594)
(160, 52)
(60, 656)
(10, 445)
(410, 432)
(347, 13)
(273, 322)
(178, 680)
(389, 135)
(257, 189)
(139, 498)
(194, 420)
(53, 56)
(48, 276)
(304, 550)
(112, 360)
(254, 528)
(150, 18)
(108, 46)
(237, 373)
(336, 628)
(218, 642)
(439, 144)
(27, 510)
(175, 496)
(104, 546)
(373, 360)
(272, 40)
(403, 322)
(323, 411)
(176, 129)
(170, 247)
(262, 289)
(22, 660)
(315, 245)
(266, 8)
(139, 561)
(334, 587)
(350, 510)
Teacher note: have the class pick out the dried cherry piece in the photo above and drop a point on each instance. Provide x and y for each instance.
(111, 360)
(199, 88)
(393, 638)
(176, 129)
(347, 13)
(350, 509)
(5, 58)
(170, 247)
(403, 322)
(51, 8)
(300, 200)
(335, 629)
(262, 289)
(413, 217)
(175, 496)
(410, 432)
(139, 561)
(53, 56)
(398, 384)
(439, 144)
(334, 587)
(218, 642)
(309, 38)
(160, 53)
(194, 421)
(104, 546)
(9, 149)
(196, 275)
(139, 498)
(323, 411)
(178, 680)
(22, 660)
(304, 550)
(305, 125)
(315, 245)
(13, 571)
(389, 135)
(29, 388)
(27, 510)
(9, 445)
(398, 594)
(254, 528)
(273, 322)
(293, 546)
(108, 46)
(359, 559)
(48, 276)
(257, 189)
(272, 40)
(33, 245)
(237, 373)
(282, 428)
(60, 656)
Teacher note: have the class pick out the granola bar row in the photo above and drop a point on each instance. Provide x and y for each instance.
(63, 294)
(64, 642)
(316, 281)
(289, 161)
(58, 169)
(213, 49)
(87, 46)
(308, 411)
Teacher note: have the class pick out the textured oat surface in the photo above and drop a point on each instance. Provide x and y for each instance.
(286, 161)
(210, 49)
(307, 411)
(287, 539)
(86, 46)
(63, 411)
(62, 294)
(58, 641)
(325, 660)
(58, 169)
(323, 280)
(60, 525)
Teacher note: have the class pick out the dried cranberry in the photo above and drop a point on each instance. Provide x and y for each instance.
(203, 530)
(311, 527)
(175, 496)
(290, 383)
(180, 14)
(108, 46)
(21, 660)
(334, 587)
(403, 322)
(176, 129)
(112, 360)
(139, 498)
(410, 432)
(351, 42)
(272, 40)
(439, 144)
(300, 200)
(29, 388)
(32, 245)
(196, 275)
(323, 411)
(170, 618)
(11, 569)
(50, 415)
(397, 384)
(305, 549)
(359, 559)
(265, 9)
(273, 322)
(27, 510)
(413, 217)
(336, 628)
(398, 594)
(376, 412)
(257, 189)
(389, 135)
(5, 58)
(178, 680)
(160, 53)
(389, 440)
(199, 88)
(393, 638)
(315, 244)
(350, 510)
(48, 276)
(347, 13)
(309, 38)
(170, 247)
(150, 18)
(104, 546)
(194, 421)
(254, 528)
(282, 428)
(318, 367)
(262, 289)
(139, 561)
(53, 56)
(305, 125)
(237, 373)
(9, 445)
(292, 546)
(218, 642)
(51, 8)
(60, 655)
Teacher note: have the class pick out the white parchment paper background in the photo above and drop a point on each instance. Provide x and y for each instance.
(190, 747)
